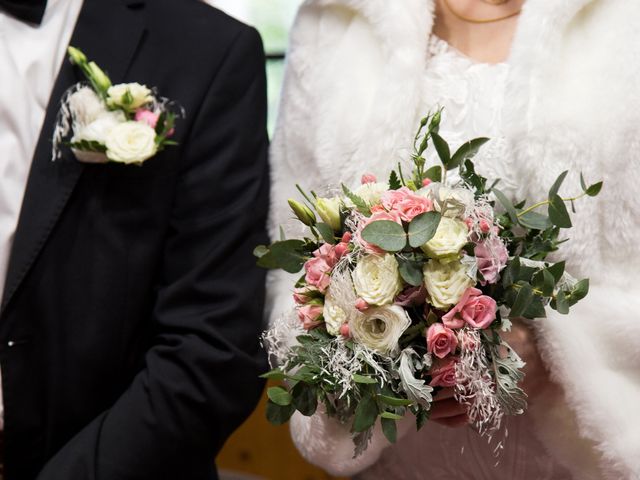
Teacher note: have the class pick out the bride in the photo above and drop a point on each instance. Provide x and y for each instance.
(556, 85)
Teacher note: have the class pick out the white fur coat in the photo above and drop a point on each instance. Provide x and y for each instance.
(573, 102)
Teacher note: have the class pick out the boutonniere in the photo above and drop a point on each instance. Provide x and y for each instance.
(101, 122)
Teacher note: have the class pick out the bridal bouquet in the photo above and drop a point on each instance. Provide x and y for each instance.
(407, 286)
(124, 123)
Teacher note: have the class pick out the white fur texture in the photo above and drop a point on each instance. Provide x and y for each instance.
(350, 105)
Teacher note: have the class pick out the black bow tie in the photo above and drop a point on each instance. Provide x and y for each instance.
(30, 11)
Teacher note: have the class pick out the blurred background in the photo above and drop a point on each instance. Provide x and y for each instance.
(258, 450)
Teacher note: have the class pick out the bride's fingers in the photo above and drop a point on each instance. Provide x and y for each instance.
(444, 394)
(447, 408)
(453, 422)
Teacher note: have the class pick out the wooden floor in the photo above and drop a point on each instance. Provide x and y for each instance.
(262, 450)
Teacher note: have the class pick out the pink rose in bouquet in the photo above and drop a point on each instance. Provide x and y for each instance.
(491, 256)
(441, 341)
(443, 374)
(474, 308)
(309, 316)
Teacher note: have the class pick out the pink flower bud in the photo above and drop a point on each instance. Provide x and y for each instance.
(485, 226)
(368, 178)
(147, 116)
(426, 182)
(345, 331)
(346, 238)
(361, 305)
(468, 222)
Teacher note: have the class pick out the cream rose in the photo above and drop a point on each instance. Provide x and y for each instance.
(334, 316)
(371, 193)
(453, 202)
(380, 328)
(446, 282)
(329, 211)
(86, 107)
(376, 279)
(129, 95)
(131, 142)
(449, 239)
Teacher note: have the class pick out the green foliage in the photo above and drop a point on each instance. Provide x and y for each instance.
(422, 228)
(277, 414)
(535, 221)
(361, 205)
(591, 190)
(88, 146)
(275, 374)
(389, 428)
(364, 379)
(410, 269)
(279, 396)
(366, 414)
(466, 151)
(434, 173)
(388, 235)
(288, 255)
(442, 148)
(326, 232)
(553, 191)
(394, 401)
(394, 181)
(305, 398)
(558, 214)
(506, 203)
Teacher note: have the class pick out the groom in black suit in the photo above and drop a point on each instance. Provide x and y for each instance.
(132, 308)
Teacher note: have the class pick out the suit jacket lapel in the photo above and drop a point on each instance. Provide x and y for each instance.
(108, 32)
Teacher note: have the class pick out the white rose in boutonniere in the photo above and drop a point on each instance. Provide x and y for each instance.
(99, 129)
(377, 279)
(449, 239)
(380, 328)
(131, 142)
(129, 96)
(446, 282)
(86, 106)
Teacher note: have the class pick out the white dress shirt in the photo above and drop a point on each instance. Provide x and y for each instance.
(30, 58)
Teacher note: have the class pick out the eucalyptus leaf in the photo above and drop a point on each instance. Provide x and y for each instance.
(363, 379)
(388, 235)
(506, 203)
(410, 271)
(366, 414)
(535, 221)
(305, 399)
(279, 396)
(594, 189)
(557, 269)
(442, 147)
(422, 228)
(523, 299)
(278, 414)
(326, 232)
(553, 191)
(287, 255)
(434, 173)
(466, 151)
(560, 304)
(558, 213)
(394, 401)
(389, 429)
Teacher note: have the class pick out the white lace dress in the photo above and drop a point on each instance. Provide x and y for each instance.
(472, 95)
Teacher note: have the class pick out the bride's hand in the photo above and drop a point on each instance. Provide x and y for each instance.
(445, 410)
(522, 339)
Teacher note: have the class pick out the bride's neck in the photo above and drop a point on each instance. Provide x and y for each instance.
(483, 42)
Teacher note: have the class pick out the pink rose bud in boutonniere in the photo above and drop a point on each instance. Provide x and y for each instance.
(368, 178)
(309, 316)
(147, 116)
(443, 374)
(474, 309)
(441, 341)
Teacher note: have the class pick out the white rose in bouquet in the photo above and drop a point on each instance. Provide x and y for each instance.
(129, 96)
(86, 107)
(451, 236)
(376, 279)
(380, 328)
(334, 315)
(446, 282)
(371, 193)
(453, 202)
(131, 142)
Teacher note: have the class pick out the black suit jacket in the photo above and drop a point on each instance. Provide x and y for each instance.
(132, 308)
